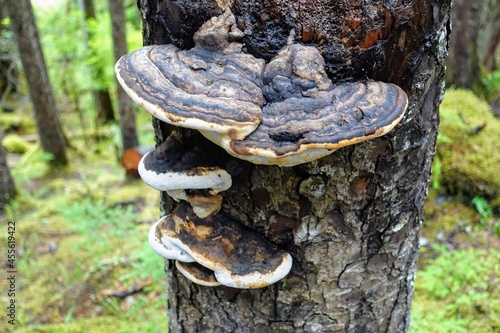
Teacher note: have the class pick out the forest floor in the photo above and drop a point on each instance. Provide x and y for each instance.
(85, 265)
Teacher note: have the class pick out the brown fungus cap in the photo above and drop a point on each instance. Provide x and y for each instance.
(306, 117)
(163, 248)
(285, 113)
(185, 174)
(301, 129)
(214, 88)
(171, 168)
(197, 273)
(239, 257)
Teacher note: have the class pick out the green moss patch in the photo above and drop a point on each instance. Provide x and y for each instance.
(14, 143)
(468, 147)
(458, 292)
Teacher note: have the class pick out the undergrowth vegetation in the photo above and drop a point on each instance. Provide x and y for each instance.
(457, 286)
(458, 291)
(82, 252)
(82, 244)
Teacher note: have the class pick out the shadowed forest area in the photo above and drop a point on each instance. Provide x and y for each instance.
(68, 175)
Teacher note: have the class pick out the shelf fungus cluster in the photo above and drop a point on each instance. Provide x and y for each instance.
(284, 112)
(209, 248)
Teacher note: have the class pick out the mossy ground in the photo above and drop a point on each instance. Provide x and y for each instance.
(457, 286)
(81, 240)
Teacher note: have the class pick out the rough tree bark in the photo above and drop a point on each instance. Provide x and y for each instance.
(25, 31)
(476, 35)
(351, 220)
(102, 99)
(126, 107)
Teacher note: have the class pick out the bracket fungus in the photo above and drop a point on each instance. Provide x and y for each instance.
(212, 87)
(185, 175)
(197, 273)
(163, 248)
(285, 112)
(211, 249)
(238, 256)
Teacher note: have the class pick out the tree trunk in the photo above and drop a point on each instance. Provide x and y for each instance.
(103, 105)
(22, 23)
(102, 100)
(8, 68)
(350, 220)
(126, 107)
(475, 37)
(7, 186)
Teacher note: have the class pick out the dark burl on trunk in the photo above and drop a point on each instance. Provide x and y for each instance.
(351, 219)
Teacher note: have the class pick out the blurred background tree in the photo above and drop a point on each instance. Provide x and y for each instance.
(102, 98)
(474, 48)
(25, 30)
(7, 186)
(8, 66)
(126, 107)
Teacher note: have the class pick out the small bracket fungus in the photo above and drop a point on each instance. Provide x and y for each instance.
(197, 273)
(238, 256)
(285, 112)
(184, 175)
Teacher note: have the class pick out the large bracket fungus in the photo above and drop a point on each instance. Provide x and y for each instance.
(285, 112)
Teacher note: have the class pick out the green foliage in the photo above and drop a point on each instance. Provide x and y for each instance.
(483, 207)
(458, 272)
(79, 53)
(89, 228)
(145, 263)
(490, 85)
(458, 292)
(97, 243)
(35, 163)
(437, 321)
(436, 172)
(100, 56)
(63, 39)
(17, 122)
(154, 324)
(98, 222)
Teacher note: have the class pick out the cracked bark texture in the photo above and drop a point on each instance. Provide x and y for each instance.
(350, 220)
